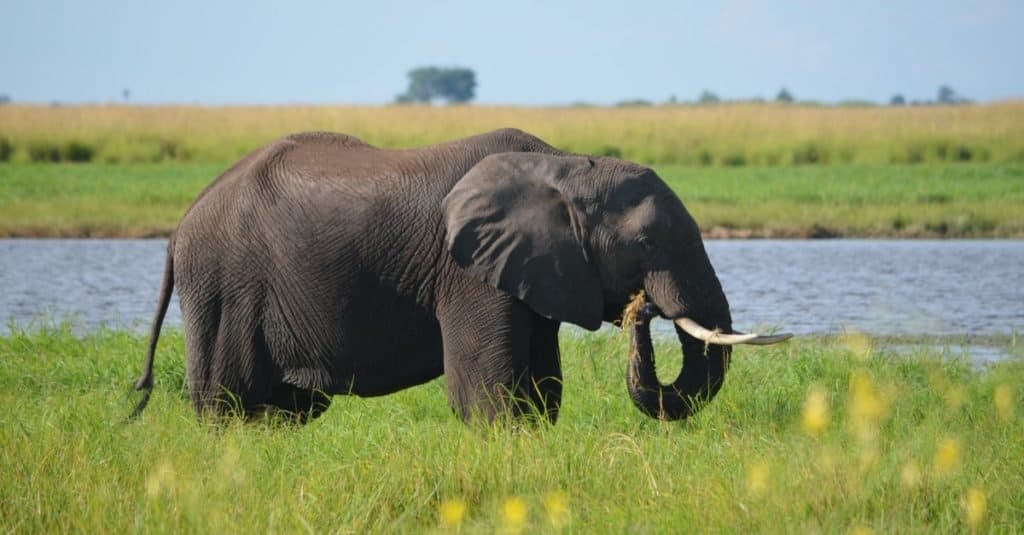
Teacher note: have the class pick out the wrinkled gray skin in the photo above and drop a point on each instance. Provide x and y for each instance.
(320, 265)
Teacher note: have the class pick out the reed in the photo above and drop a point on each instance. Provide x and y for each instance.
(720, 135)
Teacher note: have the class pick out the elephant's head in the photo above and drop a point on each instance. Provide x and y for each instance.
(576, 237)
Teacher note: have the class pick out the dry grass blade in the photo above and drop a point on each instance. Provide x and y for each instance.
(632, 309)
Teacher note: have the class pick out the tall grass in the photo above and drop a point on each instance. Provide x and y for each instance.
(722, 135)
(818, 435)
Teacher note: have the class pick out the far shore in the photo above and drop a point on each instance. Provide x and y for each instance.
(714, 233)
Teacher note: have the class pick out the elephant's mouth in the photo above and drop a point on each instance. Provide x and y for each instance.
(706, 354)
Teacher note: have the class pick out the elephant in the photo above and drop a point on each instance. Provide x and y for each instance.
(320, 265)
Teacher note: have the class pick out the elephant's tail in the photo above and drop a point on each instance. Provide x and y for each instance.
(145, 383)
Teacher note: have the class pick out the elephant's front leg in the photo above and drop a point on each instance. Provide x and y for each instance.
(545, 368)
(487, 337)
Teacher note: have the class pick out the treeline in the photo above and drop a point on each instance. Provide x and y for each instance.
(722, 135)
(946, 96)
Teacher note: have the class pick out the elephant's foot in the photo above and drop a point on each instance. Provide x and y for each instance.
(292, 405)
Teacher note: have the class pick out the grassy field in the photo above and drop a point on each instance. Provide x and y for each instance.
(722, 135)
(813, 436)
(934, 200)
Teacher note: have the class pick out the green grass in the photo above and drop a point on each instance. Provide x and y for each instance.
(941, 200)
(84, 200)
(908, 442)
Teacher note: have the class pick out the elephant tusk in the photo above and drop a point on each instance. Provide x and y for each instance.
(695, 330)
(764, 340)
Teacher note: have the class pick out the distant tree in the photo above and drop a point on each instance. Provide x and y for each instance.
(948, 96)
(5, 98)
(897, 100)
(455, 85)
(126, 94)
(422, 85)
(784, 96)
(707, 97)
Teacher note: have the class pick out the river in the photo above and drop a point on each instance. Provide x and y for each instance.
(808, 287)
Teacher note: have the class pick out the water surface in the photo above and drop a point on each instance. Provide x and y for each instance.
(882, 287)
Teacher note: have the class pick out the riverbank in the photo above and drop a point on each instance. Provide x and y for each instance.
(822, 435)
(715, 233)
(856, 201)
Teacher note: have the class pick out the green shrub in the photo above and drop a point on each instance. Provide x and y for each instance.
(6, 149)
(77, 151)
(910, 153)
(809, 153)
(43, 151)
(962, 153)
(734, 159)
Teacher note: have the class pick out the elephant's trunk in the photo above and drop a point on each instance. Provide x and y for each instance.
(704, 367)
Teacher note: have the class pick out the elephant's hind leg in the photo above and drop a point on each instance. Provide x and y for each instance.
(230, 369)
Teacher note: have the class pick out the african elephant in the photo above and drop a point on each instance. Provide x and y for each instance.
(320, 265)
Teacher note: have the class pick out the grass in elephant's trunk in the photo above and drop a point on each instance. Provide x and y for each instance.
(703, 372)
(629, 318)
(629, 314)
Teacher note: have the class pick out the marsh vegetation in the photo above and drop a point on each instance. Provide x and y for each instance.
(820, 435)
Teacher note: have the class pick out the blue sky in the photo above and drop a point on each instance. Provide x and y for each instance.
(524, 52)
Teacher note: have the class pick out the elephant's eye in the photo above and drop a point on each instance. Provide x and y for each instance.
(645, 242)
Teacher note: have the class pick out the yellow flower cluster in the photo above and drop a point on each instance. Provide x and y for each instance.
(975, 506)
(452, 512)
(1003, 399)
(947, 457)
(816, 413)
(757, 478)
(867, 406)
(514, 512)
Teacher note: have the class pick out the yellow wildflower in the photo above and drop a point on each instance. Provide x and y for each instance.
(557, 507)
(867, 407)
(452, 511)
(757, 478)
(947, 456)
(513, 512)
(859, 344)
(817, 414)
(1003, 398)
(975, 506)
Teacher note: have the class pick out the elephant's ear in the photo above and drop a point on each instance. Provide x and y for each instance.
(510, 225)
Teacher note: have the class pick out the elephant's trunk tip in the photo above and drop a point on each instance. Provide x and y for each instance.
(145, 382)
